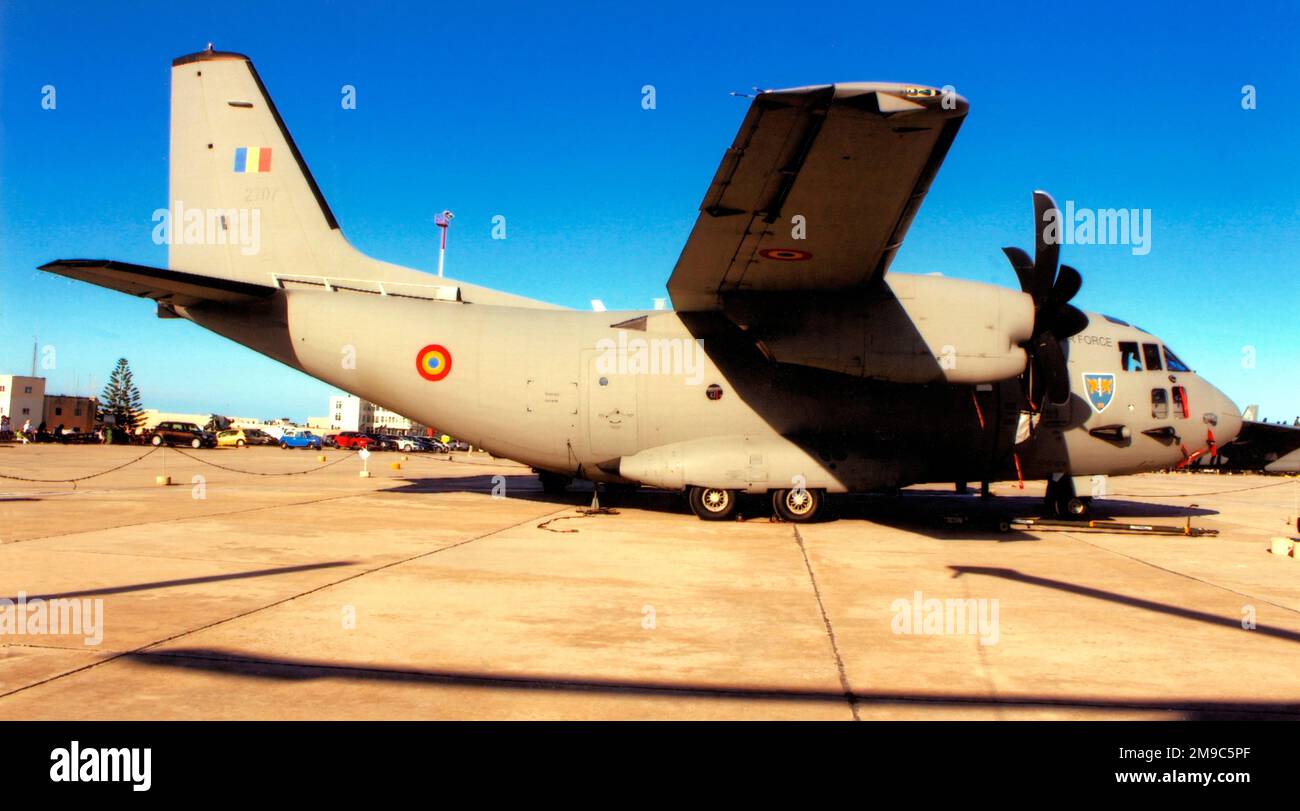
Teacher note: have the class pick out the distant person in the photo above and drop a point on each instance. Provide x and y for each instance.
(4, 424)
(27, 431)
(58, 433)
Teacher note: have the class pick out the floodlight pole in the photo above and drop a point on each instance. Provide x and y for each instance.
(442, 220)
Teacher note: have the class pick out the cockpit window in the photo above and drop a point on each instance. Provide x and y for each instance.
(1151, 354)
(1129, 359)
(1173, 364)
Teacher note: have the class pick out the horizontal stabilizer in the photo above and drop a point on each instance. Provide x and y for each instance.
(165, 286)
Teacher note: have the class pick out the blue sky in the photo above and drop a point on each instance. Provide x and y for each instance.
(533, 112)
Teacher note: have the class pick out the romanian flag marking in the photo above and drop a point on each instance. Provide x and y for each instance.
(252, 159)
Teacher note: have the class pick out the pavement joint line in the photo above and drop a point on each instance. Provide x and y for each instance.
(1191, 577)
(144, 649)
(982, 655)
(830, 631)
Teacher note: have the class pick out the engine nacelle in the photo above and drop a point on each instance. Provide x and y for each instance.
(911, 329)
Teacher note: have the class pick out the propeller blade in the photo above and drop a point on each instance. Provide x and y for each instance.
(1068, 282)
(1051, 360)
(1024, 267)
(1047, 253)
(1067, 321)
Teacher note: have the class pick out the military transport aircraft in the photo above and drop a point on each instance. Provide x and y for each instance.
(792, 365)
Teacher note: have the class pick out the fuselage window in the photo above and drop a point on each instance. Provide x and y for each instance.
(1160, 404)
(1181, 407)
(1173, 364)
(1129, 359)
(1151, 353)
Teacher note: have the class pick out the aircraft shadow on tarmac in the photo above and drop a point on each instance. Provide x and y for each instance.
(186, 581)
(938, 514)
(258, 666)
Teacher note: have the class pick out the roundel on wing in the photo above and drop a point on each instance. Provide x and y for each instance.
(433, 362)
(785, 254)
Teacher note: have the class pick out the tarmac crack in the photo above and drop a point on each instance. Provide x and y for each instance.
(144, 650)
(830, 630)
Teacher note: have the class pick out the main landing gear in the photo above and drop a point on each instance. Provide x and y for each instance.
(797, 506)
(1062, 502)
(718, 504)
(713, 503)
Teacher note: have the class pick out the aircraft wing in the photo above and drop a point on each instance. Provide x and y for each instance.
(850, 163)
(1272, 447)
(161, 285)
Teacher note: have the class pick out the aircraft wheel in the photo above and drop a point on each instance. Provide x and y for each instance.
(157, 440)
(712, 503)
(1077, 508)
(798, 505)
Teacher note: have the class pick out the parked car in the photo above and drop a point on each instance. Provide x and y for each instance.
(300, 439)
(328, 440)
(182, 433)
(351, 440)
(432, 445)
(239, 437)
(458, 445)
(380, 442)
(413, 444)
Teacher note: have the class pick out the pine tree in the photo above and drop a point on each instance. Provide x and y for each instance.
(121, 399)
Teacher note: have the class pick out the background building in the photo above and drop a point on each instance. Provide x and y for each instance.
(349, 413)
(74, 413)
(22, 398)
(390, 422)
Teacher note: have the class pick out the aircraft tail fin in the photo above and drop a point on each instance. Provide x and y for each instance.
(1251, 414)
(242, 204)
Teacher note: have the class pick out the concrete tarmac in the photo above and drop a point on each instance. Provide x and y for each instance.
(454, 589)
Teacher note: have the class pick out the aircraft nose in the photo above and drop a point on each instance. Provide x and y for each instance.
(1223, 417)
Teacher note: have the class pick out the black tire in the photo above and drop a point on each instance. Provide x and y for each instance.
(156, 441)
(798, 506)
(1077, 508)
(283, 446)
(196, 443)
(713, 503)
(239, 443)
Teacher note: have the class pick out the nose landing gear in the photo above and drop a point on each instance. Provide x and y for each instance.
(1062, 502)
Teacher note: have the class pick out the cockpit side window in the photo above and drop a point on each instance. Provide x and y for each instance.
(1129, 359)
(1151, 353)
(1173, 364)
